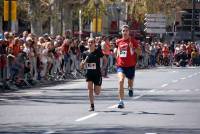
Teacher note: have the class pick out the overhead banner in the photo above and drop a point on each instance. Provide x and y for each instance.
(99, 23)
(7, 10)
(14, 10)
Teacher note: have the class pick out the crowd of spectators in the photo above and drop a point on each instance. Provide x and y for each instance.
(27, 59)
(179, 54)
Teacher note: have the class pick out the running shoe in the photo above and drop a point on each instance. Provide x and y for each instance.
(91, 109)
(121, 104)
(130, 92)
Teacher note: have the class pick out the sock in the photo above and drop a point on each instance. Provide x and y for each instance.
(92, 105)
(130, 88)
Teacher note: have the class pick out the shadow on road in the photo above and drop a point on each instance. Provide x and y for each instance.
(91, 129)
(80, 96)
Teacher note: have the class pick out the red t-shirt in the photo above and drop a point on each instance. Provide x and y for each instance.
(165, 51)
(126, 56)
(65, 48)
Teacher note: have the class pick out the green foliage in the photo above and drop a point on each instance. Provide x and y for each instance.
(22, 9)
(1, 7)
(39, 9)
(89, 10)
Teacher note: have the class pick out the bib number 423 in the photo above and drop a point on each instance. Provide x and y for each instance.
(123, 53)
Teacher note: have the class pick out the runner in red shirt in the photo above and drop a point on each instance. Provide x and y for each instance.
(127, 51)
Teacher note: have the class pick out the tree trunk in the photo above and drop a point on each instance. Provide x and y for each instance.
(1, 25)
(55, 21)
(67, 17)
(36, 22)
(36, 27)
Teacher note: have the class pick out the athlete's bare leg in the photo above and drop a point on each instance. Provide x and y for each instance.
(130, 83)
(90, 92)
(121, 77)
(97, 89)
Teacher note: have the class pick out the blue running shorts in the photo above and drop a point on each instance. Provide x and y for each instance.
(129, 72)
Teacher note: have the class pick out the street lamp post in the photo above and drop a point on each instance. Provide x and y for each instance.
(61, 17)
(174, 24)
(96, 3)
(193, 16)
(80, 24)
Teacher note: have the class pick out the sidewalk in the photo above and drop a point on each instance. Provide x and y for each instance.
(10, 87)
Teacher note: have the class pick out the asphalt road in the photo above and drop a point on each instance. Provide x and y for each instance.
(166, 101)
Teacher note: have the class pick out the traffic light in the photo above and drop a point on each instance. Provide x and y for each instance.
(187, 20)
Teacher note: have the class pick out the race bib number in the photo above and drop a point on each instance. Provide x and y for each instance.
(123, 53)
(90, 66)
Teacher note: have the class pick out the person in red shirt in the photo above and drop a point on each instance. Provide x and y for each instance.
(105, 47)
(127, 51)
(165, 54)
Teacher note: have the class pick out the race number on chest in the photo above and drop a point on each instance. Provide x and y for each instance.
(123, 53)
(90, 66)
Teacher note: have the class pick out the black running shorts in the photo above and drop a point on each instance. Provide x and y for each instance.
(96, 79)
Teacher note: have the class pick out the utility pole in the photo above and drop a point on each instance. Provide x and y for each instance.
(96, 3)
(193, 19)
(9, 15)
(61, 17)
(80, 24)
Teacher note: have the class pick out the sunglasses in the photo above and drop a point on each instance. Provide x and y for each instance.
(125, 30)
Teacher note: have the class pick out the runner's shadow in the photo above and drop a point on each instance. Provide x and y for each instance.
(131, 112)
(117, 111)
(143, 112)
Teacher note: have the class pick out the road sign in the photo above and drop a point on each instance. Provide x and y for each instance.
(99, 23)
(154, 30)
(154, 16)
(155, 19)
(157, 24)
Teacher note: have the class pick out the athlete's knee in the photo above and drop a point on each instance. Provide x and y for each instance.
(121, 80)
(97, 90)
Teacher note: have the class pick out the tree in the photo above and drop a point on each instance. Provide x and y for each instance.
(38, 13)
(137, 10)
(89, 10)
(1, 14)
(1, 7)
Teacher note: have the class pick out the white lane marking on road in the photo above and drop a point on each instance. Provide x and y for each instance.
(171, 90)
(197, 90)
(183, 78)
(164, 85)
(3, 99)
(87, 117)
(153, 90)
(150, 133)
(33, 93)
(134, 98)
(174, 81)
(49, 132)
(137, 97)
(190, 76)
(61, 86)
(195, 74)
(174, 71)
(186, 90)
